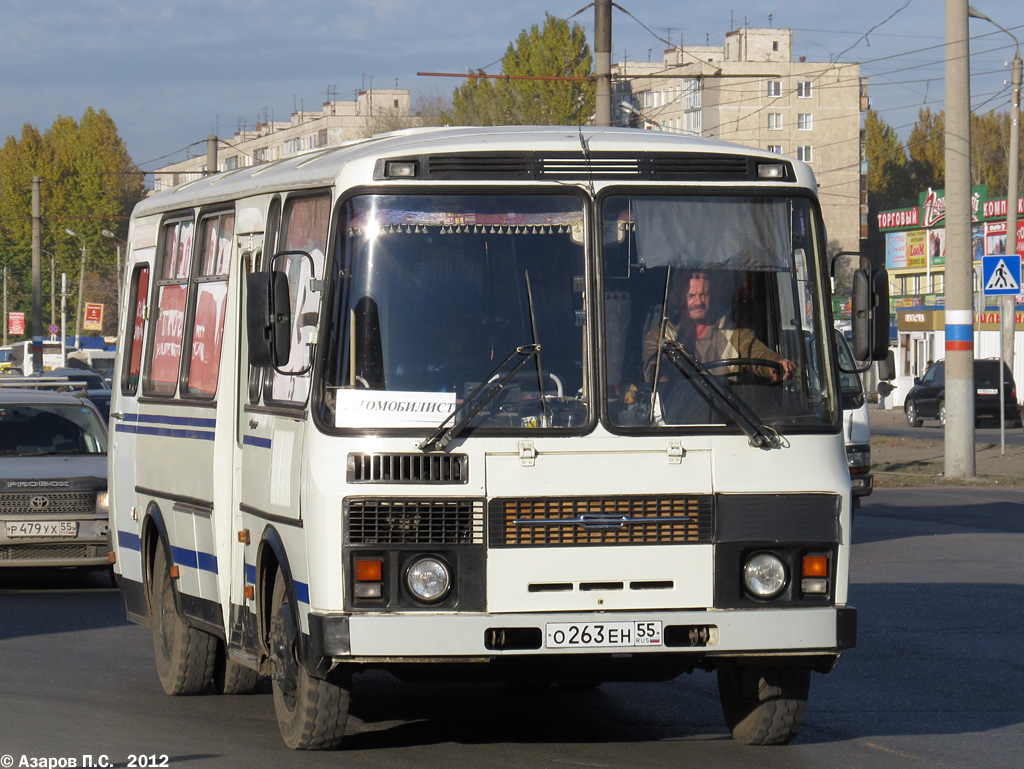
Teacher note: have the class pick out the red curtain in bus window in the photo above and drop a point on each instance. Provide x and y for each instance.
(207, 335)
(141, 296)
(211, 305)
(170, 322)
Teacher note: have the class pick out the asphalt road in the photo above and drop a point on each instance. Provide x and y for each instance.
(934, 682)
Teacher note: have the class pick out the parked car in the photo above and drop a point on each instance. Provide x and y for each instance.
(53, 480)
(927, 399)
(82, 382)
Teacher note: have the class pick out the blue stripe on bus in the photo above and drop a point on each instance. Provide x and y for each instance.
(193, 428)
(165, 432)
(301, 588)
(262, 443)
(194, 560)
(159, 419)
(129, 540)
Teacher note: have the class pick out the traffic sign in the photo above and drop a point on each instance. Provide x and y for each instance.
(54, 328)
(1000, 275)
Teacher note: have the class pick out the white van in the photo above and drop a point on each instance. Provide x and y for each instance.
(856, 426)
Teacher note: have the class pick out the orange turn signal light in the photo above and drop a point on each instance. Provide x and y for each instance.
(815, 566)
(369, 571)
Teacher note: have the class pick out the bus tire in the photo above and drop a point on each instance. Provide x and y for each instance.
(229, 677)
(311, 713)
(763, 704)
(185, 656)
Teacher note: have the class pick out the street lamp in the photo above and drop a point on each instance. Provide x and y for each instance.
(81, 283)
(53, 270)
(1008, 304)
(118, 244)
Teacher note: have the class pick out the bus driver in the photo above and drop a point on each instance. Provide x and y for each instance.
(708, 337)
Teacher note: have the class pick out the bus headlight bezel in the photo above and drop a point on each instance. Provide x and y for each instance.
(765, 575)
(429, 579)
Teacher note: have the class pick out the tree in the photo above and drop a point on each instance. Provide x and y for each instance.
(88, 184)
(890, 182)
(560, 49)
(927, 147)
(889, 177)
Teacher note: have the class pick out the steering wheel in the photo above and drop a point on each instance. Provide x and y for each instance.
(750, 362)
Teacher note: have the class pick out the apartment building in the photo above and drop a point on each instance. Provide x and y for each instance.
(750, 91)
(372, 111)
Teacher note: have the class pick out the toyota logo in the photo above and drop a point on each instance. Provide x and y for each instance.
(40, 503)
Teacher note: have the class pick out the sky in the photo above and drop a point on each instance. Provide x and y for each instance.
(171, 72)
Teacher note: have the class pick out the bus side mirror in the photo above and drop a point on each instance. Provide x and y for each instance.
(887, 369)
(268, 319)
(870, 314)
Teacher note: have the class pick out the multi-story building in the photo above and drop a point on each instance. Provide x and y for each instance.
(371, 112)
(915, 257)
(750, 91)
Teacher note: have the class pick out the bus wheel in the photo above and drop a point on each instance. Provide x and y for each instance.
(311, 712)
(185, 656)
(231, 678)
(763, 704)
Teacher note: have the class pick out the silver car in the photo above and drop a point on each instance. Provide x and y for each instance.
(53, 480)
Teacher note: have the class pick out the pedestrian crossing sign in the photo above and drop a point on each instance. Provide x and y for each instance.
(1000, 275)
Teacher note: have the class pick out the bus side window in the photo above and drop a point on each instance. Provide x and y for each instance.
(251, 263)
(211, 289)
(174, 269)
(304, 228)
(139, 297)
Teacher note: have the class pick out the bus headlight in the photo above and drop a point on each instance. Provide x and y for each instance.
(764, 575)
(858, 458)
(428, 579)
(102, 503)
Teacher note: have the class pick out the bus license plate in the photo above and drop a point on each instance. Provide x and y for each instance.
(562, 635)
(15, 529)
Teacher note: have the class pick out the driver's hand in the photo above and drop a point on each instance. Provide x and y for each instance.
(788, 369)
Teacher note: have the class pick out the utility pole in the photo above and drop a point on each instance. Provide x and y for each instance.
(1007, 304)
(959, 438)
(81, 289)
(1008, 309)
(5, 304)
(37, 281)
(603, 62)
(1008, 322)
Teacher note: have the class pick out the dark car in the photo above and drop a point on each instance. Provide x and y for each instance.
(927, 399)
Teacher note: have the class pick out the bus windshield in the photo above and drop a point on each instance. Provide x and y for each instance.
(712, 314)
(448, 301)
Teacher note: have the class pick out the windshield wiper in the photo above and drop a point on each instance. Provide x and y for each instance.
(719, 396)
(444, 435)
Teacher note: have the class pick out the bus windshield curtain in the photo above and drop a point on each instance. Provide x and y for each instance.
(725, 233)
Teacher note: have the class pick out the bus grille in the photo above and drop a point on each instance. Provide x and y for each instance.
(48, 503)
(48, 552)
(408, 468)
(414, 521)
(579, 521)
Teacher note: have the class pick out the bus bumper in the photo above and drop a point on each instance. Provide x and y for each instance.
(419, 637)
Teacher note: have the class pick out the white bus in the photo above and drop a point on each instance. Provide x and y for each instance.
(386, 405)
